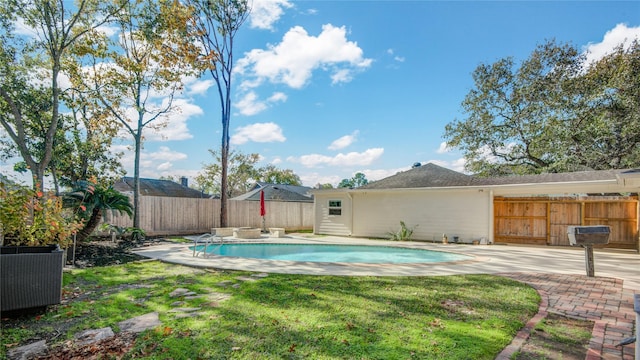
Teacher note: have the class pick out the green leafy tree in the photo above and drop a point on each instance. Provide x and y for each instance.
(359, 179)
(323, 186)
(149, 57)
(242, 173)
(30, 66)
(604, 126)
(551, 113)
(216, 23)
(83, 152)
(271, 174)
(511, 126)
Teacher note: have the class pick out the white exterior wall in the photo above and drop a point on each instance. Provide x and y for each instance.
(332, 224)
(432, 213)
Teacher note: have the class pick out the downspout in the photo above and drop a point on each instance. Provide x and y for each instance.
(638, 237)
(350, 214)
(491, 218)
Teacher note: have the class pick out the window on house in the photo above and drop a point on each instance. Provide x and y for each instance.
(335, 207)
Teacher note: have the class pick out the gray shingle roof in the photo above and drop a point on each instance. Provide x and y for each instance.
(154, 187)
(431, 175)
(593, 175)
(278, 192)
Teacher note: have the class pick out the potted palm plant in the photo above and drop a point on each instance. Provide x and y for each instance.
(33, 228)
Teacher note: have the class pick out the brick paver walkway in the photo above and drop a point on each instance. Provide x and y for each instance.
(599, 299)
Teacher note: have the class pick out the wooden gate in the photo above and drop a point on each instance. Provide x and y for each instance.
(544, 220)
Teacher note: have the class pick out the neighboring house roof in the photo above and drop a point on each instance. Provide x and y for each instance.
(431, 175)
(278, 192)
(154, 187)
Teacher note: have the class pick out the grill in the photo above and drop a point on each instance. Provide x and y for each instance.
(588, 235)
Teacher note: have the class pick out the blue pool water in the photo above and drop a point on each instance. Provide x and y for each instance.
(332, 253)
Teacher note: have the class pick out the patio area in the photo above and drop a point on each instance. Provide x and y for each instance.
(558, 274)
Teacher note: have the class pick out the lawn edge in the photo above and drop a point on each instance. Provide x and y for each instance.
(523, 334)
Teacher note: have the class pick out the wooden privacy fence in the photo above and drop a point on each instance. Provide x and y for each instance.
(544, 221)
(174, 216)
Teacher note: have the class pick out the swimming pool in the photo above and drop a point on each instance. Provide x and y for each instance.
(367, 254)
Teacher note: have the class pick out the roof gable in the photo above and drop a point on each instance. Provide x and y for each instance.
(429, 175)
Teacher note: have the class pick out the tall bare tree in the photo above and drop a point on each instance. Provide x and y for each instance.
(216, 24)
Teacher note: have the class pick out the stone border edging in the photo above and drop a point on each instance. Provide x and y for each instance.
(524, 333)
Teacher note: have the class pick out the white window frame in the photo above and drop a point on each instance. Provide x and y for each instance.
(335, 207)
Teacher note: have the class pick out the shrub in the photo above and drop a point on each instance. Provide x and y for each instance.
(404, 234)
(34, 218)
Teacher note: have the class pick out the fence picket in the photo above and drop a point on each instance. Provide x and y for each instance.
(175, 216)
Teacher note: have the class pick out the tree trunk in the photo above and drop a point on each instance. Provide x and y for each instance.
(90, 226)
(136, 177)
(224, 158)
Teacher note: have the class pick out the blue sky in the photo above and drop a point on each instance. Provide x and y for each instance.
(331, 88)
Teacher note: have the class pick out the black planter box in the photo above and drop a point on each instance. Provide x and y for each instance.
(30, 276)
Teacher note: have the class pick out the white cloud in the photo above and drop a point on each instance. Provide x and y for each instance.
(312, 179)
(458, 164)
(278, 96)
(341, 76)
(260, 132)
(374, 175)
(264, 13)
(620, 34)
(174, 124)
(195, 86)
(350, 159)
(150, 161)
(344, 141)
(293, 61)
(250, 104)
(164, 166)
(396, 58)
(443, 148)
(455, 165)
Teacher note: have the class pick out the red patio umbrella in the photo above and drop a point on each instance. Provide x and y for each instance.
(263, 211)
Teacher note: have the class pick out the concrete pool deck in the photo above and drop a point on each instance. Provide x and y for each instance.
(489, 259)
(558, 274)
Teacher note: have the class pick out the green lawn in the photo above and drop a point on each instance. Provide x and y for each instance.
(291, 316)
